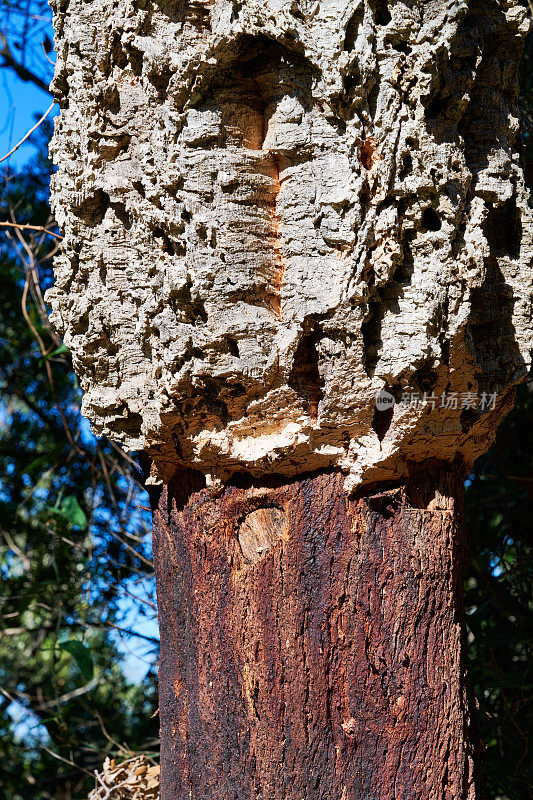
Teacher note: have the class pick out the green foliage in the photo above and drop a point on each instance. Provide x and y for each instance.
(499, 603)
(499, 579)
(72, 536)
(82, 656)
(70, 509)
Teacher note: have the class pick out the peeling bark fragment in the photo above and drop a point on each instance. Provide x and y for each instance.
(271, 212)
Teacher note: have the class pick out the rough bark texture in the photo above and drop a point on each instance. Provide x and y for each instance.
(311, 643)
(272, 210)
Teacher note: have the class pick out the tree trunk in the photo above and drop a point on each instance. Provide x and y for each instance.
(274, 212)
(312, 643)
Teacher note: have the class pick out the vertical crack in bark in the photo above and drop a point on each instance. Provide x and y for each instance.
(371, 332)
(382, 15)
(490, 330)
(352, 29)
(305, 376)
(278, 250)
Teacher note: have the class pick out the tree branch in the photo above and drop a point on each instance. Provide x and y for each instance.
(52, 104)
(21, 71)
(38, 228)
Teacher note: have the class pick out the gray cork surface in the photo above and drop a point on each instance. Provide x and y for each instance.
(273, 210)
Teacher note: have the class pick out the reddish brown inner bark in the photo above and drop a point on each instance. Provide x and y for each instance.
(311, 643)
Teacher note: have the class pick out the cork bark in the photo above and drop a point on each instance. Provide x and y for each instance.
(312, 644)
(274, 210)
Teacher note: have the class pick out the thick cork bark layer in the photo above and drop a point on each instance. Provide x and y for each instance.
(312, 643)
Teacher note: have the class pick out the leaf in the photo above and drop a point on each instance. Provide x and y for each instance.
(71, 510)
(60, 350)
(36, 463)
(507, 682)
(81, 655)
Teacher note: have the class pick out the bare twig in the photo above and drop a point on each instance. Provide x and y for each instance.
(23, 72)
(134, 634)
(23, 13)
(142, 600)
(134, 777)
(39, 228)
(27, 135)
(25, 560)
(48, 255)
(66, 698)
(109, 789)
(35, 284)
(65, 760)
(115, 505)
(46, 55)
(123, 453)
(122, 750)
(47, 364)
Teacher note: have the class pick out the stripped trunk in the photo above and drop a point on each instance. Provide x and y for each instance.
(311, 642)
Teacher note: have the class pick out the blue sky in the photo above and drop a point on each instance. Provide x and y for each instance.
(20, 104)
(20, 101)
